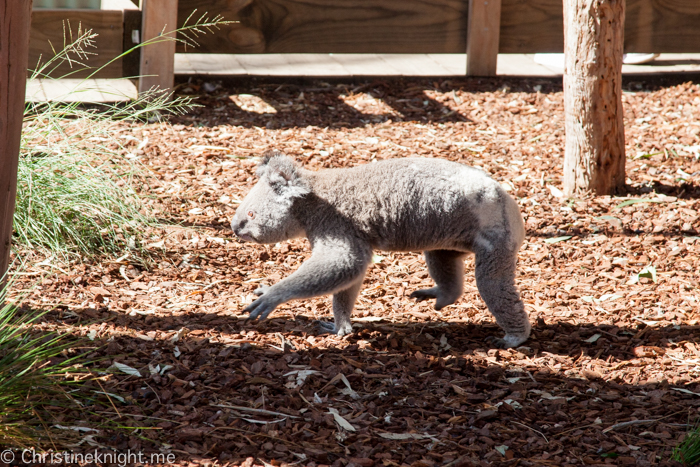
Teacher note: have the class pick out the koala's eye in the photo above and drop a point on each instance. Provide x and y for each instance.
(251, 214)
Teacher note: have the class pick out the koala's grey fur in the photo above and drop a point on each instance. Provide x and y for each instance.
(440, 207)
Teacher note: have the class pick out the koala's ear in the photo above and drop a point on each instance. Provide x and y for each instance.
(283, 175)
(264, 163)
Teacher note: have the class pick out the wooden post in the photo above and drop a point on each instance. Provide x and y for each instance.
(483, 32)
(15, 20)
(594, 158)
(158, 60)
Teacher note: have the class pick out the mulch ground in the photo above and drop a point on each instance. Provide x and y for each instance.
(610, 375)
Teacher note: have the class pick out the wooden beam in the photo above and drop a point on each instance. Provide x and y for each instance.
(483, 34)
(362, 26)
(669, 26)
(51, 30)
(423, 26)
(158, 57)
(132, 37)
(15, 23)
(337, 26)
(532, 26)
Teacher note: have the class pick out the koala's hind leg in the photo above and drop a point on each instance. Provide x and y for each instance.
(495, 279)
(343, 303)
(446, 267)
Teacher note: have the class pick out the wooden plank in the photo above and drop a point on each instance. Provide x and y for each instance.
(364, 26)
(659, 26)
(158, 58)
(531, 26)
(446, 65)
(80, 90)
(483, 33)
(411, 65)
(53, 29)
(338, 26)
(263, 64)
(14, 29)
(72, 90)
(423, 26)
(215, 64)
(662, 26)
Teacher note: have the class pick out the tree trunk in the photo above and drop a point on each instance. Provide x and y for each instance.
(594, 159)
(15, 16)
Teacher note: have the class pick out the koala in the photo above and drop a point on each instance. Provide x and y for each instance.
(445, 209)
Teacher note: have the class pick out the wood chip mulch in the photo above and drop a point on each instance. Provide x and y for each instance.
(610, 375)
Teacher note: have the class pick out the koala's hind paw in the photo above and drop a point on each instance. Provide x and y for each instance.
(326, 327)
(496, 342)
(507, 342)
(434, 292)
(261, 307)
(424, 294)
(261, 290)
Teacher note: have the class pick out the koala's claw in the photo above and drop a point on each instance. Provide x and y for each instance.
(261, 307)
(261, 290)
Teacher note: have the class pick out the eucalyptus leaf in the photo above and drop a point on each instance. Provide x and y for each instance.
(558, 239)
(126, 369)
(593, 338)
(340, 420)
(630, 202)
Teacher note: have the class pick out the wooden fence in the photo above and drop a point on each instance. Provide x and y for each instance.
(483, 28)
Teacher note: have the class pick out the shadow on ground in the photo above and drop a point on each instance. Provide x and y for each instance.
(568, 397)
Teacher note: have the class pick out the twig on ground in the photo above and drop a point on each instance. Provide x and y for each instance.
(252, 433)
(637, 422)
(532, 429)
(216, 283)
(630, 423)
(249, 409)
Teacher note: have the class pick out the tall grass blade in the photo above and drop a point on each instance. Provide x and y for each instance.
(34, 369)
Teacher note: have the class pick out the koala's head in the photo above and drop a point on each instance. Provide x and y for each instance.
(265, 215)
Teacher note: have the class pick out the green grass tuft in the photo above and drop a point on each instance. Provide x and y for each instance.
(688, 451)
(35, 371)
(74, 195)
(75, 177)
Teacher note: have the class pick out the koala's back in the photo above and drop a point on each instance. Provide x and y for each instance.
(421, 204)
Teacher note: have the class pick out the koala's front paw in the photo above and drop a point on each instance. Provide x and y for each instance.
(261, 307)
(326, 327)
(262, 290)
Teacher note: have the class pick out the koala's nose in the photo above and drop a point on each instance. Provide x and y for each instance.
(237, 225)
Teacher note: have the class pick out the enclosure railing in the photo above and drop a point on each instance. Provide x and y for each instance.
(481, 28)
